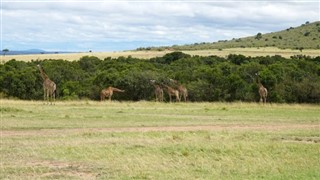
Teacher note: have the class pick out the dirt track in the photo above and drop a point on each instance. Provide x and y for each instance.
(264, 127)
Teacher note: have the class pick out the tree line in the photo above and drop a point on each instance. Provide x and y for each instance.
(212, 78)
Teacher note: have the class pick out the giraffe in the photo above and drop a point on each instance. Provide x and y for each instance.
(49, 87)
(263, 92)
(183, 92)
(171, 92)
(108, 92)
(158, 91)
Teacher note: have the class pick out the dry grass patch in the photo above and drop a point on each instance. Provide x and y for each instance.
(253, 52)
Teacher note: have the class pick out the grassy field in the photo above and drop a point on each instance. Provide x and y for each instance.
(149, 140)
(150, 54)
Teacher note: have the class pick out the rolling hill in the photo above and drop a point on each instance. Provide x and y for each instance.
(306, 36)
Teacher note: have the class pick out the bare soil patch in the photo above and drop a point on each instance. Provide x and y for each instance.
(64, 169)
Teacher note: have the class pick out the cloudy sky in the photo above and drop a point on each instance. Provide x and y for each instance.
(75, 25)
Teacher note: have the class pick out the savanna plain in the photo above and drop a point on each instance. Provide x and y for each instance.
(253, 52)
(150, 140)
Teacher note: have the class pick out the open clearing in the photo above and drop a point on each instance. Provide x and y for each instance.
(253, 52)
(149, 140)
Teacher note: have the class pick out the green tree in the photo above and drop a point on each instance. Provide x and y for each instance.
(206, 78)
(258, 36)
(5, 51)
(171, 57)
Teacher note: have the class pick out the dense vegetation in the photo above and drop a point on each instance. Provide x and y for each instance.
(207, 78)
(306, 36)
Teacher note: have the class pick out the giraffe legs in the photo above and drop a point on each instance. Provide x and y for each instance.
(161, 96)
(263, 99)
(177, 96)
(49, 96)
(184, 97)
(53, 97)
(46, 96)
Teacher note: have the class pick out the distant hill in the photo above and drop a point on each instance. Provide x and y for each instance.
(306, 36)
(30, 51)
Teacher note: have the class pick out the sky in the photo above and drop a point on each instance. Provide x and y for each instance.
(99, 26)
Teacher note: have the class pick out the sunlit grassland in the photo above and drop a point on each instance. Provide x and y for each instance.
(89, 140)
(253, 52)
(77, 56)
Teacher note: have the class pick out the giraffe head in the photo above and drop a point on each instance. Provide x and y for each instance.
(42, 72)
(39, 66)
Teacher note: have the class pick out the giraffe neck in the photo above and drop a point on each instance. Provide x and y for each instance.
(259, 82)
(260, 85)
(116, 89)
(169, 88)
(43, 74)
(166, 86)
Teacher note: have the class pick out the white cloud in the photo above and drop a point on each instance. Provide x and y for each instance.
(99, 24)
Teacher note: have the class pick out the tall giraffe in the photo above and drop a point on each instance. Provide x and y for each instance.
(49, 87)
(263, 92)
(158, 91)
(108, 92)
(183, 92)
(171, 92)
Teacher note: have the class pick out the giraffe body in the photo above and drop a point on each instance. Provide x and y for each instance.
(263, 92)
(172, 92)
(158, 91)
(108, 92)
(49, 87)
(183, 92)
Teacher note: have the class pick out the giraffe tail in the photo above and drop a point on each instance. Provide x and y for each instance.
(54, 94)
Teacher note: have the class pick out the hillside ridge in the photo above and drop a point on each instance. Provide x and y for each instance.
(305, 36)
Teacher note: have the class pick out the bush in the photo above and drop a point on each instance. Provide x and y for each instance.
(207, 78)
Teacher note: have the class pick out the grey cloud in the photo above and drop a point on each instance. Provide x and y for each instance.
(144, 22)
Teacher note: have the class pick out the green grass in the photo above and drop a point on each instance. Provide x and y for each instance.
(92, 140)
